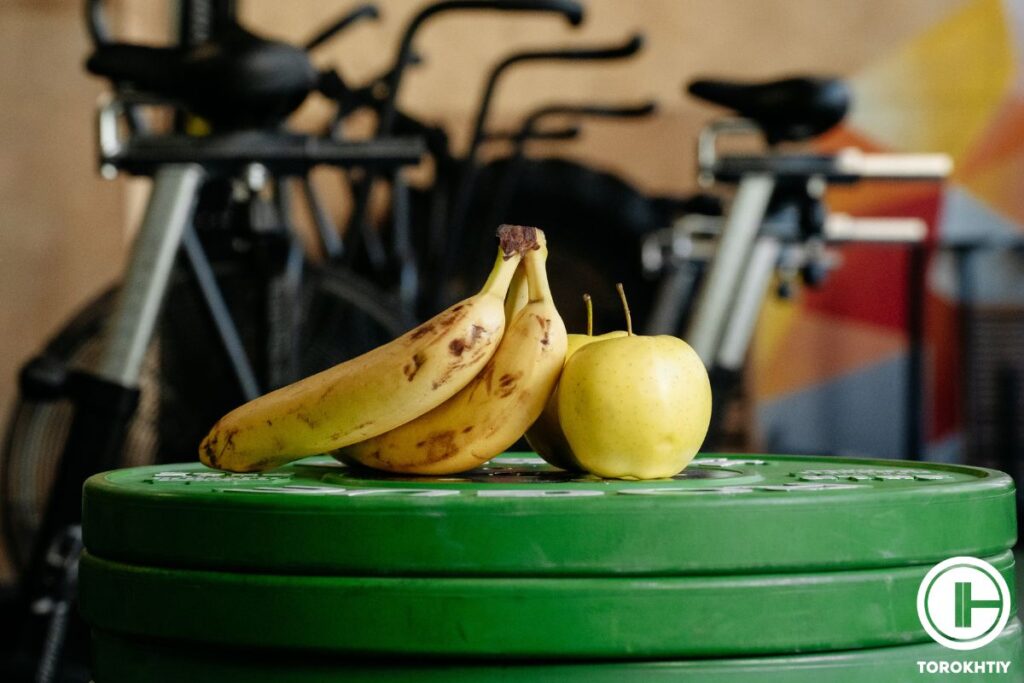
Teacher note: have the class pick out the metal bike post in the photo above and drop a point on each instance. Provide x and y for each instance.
(175, 189)
(734, 245)
(727, 370)
(670, 301)
(739, 329)
(409, 277)
(220, 314)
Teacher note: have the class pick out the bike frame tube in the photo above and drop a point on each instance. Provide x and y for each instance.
(221, 315)
(735, 243)
(173, 199)
(732, 352)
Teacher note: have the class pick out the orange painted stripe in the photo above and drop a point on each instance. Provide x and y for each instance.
(819, 348)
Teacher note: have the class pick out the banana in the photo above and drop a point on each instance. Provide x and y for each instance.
(493, 410)
(377, 391)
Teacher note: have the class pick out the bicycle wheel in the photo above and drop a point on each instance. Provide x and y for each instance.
(185, 384)
(345, 316)
(595, 223)
(37, 430)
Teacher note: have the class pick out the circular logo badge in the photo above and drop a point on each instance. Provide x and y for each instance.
(963, 603)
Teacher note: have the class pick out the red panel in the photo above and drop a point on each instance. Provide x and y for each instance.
(871, 284)
(944, 370)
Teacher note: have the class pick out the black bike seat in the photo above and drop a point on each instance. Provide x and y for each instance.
(155, 69)
(240, 80)
(790, 109)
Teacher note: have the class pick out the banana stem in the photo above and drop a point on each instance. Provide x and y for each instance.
(625, 307)
(517, 239)
(590, 314)
(537, 276)
(501, 275)
(514, 241)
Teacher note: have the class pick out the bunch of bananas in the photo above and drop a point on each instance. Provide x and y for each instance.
(443, 398)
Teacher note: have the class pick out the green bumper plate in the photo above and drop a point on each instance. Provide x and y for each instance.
(564, 618)
(125, 660)
(518, 516)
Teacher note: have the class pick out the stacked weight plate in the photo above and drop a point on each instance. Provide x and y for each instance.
(775, 567)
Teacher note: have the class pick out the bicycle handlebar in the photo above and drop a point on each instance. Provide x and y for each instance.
(627, 49)
(695, 237)
(365, 12)
(571, 10)
(845, 167)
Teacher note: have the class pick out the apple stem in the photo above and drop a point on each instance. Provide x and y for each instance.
(625, 307)
(590, 315)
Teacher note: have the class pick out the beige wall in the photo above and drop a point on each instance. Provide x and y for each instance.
(60, 227)
(62, 230)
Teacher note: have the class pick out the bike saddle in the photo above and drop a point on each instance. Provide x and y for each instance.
(790, 109)
(236, 80)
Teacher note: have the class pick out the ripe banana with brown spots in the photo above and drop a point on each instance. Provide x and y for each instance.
(377, 391)
(492, 411)
(519, 291)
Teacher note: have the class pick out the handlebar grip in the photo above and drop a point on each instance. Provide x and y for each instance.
(571, 10)
(364, 12)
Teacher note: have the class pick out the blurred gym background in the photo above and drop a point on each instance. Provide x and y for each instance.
(831, 370)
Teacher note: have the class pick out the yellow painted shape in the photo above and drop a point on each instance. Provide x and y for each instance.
(774, 327)
(1001, 187)
(937, 92)
(876, 199)
(1003, 138)
(820, 347)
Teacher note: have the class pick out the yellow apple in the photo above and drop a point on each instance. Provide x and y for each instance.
(545, 435)
(634, 407)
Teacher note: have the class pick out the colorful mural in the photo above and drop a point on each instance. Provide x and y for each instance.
(830, 369)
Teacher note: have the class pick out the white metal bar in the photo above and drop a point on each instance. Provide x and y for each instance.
(719, 290)
(840, 227)
(740, 328)
(894, 166)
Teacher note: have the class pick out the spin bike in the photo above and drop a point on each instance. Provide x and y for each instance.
(777, 222)
(241, 87)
